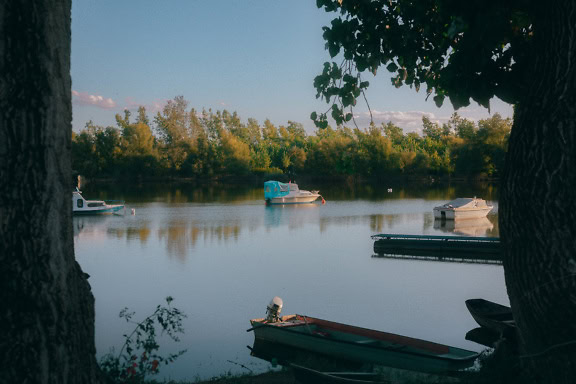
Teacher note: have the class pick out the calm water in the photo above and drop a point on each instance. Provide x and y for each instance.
(222, 254)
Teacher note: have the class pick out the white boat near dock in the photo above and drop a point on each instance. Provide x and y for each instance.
(462, 208)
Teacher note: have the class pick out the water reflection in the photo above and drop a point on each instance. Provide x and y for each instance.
(291, 215)
(465, 227)
(181, 227)
(221, 252)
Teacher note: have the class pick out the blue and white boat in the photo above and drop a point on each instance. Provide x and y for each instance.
(276, 192)
(81, 206)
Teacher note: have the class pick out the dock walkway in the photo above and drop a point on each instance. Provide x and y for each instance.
(451, 248)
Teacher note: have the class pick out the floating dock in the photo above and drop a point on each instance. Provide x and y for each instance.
(445, 248)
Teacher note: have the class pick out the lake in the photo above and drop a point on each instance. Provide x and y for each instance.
(223, 255)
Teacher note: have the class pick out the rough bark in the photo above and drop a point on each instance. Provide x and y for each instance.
(47, 310)
(538, 201)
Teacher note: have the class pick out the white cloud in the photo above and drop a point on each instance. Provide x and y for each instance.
(152, 107)
(409, 121)
(84, 98)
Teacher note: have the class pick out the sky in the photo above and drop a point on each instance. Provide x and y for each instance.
(255, 57)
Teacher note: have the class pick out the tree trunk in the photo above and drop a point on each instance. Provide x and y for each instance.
(538, 202)
(47, 308)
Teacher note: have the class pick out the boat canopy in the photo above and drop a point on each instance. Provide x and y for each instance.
(274, 189)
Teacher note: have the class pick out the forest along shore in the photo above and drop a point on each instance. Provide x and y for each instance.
(184, 143)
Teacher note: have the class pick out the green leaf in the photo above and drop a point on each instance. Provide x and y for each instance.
(347, 100)
(333, 50)
(392, 67)
(439, 100)
(349, 79)
(313, 116)
(336, 114)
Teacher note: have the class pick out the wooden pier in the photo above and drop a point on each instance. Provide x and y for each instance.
(445, 248)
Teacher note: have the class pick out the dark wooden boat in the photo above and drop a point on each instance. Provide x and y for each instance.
(495, 317)
(363, 345)
(483, 336)
(310, 376)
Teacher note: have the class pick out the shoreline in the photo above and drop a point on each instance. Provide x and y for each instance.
(283, 376)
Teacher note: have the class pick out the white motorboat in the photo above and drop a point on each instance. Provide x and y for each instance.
(81, 206)
(462, 208)
(276, 192)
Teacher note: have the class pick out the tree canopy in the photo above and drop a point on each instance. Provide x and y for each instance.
(219, 144)
(463, 50)
(522, 52)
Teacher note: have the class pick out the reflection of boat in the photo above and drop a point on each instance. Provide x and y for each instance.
(462, 208)
(276, 192)
(292, 215)
(312, 376)
(359, 344)
(81, 206)
(467, 227)
(495, 317)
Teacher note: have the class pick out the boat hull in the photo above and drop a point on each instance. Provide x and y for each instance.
(438, 359)
(495, 317)
(104, 210)
(293, 199)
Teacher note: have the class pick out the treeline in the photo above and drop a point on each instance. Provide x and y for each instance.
(182, 142)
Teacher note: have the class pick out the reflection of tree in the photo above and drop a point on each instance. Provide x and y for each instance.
(428, 222)
(118, 233)
(182, 237)
(177, 240)
(377, 223)
(139, 232)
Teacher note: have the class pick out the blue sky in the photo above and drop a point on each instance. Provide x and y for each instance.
(255, 57)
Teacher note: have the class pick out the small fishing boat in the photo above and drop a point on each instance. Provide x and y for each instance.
(462, 208)
(311, 376)
(81, 206)
(358, 344)
(495, 317)
(276, 192)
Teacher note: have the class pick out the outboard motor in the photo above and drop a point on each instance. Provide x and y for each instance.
(273, 310)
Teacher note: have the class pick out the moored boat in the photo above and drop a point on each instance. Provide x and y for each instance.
(462, 208)
(483, 336)
(276, 192)
(493, 316)
(359, 344)
(81, 206)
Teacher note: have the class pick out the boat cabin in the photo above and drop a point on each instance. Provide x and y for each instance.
(273, 189)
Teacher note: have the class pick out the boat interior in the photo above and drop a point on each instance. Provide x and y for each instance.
(358, 335)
